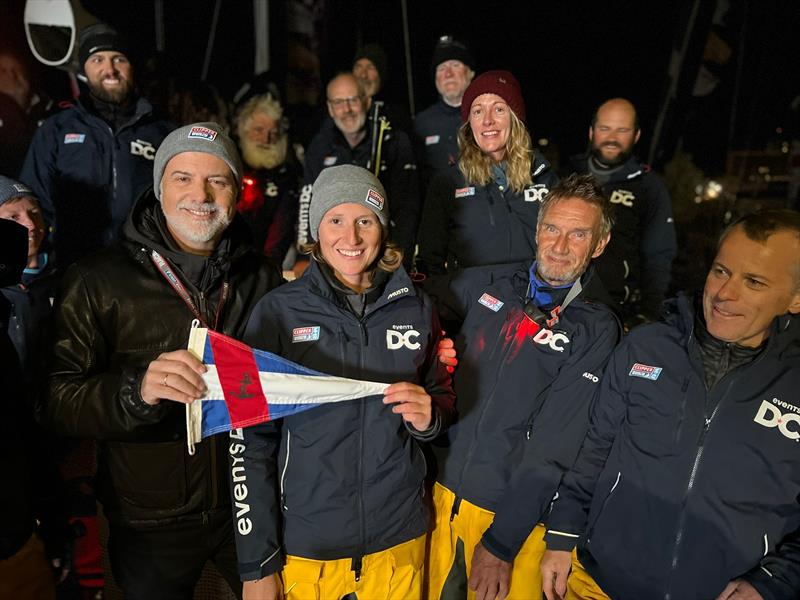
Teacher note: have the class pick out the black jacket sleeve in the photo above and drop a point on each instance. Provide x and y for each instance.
(658, 248)
(567, 520)
(438, 384)
(254, 474)
(402, 186)
(84, 397)
(777, 577)
(434, 227)
(554, 438)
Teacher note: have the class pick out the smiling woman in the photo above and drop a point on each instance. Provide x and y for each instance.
(350, 480)
(484, 211)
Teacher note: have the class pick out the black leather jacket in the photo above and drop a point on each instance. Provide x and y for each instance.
(116, 313)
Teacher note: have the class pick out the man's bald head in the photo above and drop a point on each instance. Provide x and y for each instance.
(614, 131)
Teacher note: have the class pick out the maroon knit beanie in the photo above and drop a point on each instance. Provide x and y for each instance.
(502, 83)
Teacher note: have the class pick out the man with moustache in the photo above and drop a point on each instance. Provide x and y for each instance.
(347, 139)
(272, 177)
(89, 162)
(534, 342)
(118, 373)
(637, 265)
(688, 483)
(436, 127)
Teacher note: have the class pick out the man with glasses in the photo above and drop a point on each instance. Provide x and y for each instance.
(350, 137)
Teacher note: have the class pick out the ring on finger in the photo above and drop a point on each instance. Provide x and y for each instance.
(165, 380)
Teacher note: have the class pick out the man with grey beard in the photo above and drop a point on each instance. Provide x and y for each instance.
(119, 375)
(272, 176)
(347, 138)
(88, 163)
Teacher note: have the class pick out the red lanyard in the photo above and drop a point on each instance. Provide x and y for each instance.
(169, 274)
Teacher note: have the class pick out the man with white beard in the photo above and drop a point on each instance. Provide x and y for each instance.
(118, 373)
(272, 176)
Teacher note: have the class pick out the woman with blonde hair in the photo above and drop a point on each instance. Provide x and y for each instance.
(483, 211)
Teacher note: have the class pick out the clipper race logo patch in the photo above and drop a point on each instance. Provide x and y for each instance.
(74, 138)
(203, 133)
(645, 371)
(465, 191)
(305, 334)
(375, 199)
(491, 302)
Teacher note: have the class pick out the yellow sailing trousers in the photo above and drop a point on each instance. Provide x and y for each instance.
(581, 586)
(391, 574)
(468, 527)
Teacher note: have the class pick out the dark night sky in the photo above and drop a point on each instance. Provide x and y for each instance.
(568, 55)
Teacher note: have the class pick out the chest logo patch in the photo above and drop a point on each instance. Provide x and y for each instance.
(74, 138)
(536, 193)
(645, 371)
(305, 334)
(431, 139)
(788, 423)
(464, 192)
(491, 302)
(623, 197)
(143, 148)
(329, 160)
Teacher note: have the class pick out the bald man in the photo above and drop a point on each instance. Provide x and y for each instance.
(346, 138)
(637, 264)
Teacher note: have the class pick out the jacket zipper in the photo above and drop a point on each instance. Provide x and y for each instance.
(356, 566)
(695, 466)
(590, 529)
(214, 478)
(285, 467)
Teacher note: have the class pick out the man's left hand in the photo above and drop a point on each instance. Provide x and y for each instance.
(412, 402)
(447, 354)
(738, 589)
(490, 577)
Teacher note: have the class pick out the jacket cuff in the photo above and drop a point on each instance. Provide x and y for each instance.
(766, 585)
(431, 432)
(501, 551)
(130, 394)
(258, 570)
(561, 540)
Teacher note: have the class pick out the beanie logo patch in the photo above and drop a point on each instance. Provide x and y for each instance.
(375, 199)
(203, 133)
(501, 80)
(21, 189)
(74, 138)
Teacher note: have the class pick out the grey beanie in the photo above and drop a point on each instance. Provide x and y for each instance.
(197, 137)
(343, 184)
(10, 189)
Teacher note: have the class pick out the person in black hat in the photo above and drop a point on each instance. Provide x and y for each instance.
(436, 127)
(371, 68)
(88, 163)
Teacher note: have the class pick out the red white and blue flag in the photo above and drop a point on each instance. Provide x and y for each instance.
(248, 386)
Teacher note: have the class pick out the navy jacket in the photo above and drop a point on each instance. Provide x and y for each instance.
(343, 480)
(637, 263)
(687, 488)
(523, 396)
(87, 177)
(436, 130)
(465, 225)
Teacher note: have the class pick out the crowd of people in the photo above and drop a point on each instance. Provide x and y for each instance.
(554, 426)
